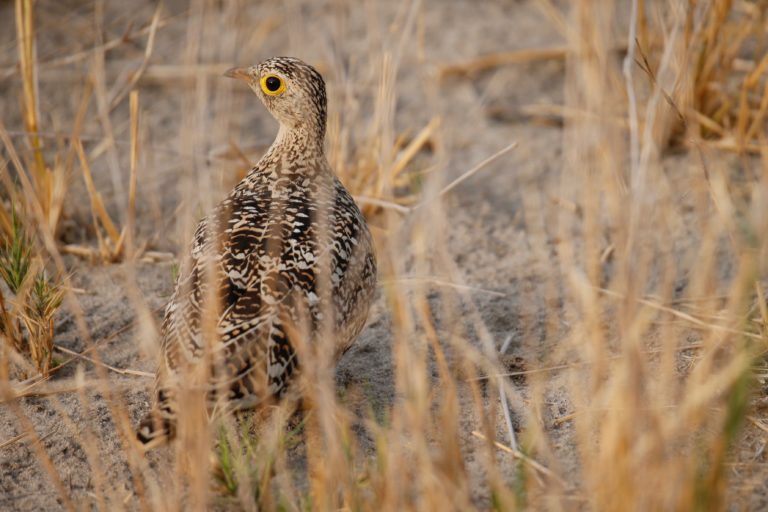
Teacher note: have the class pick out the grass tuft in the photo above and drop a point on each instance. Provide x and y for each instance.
(15, 256)
(36, 299)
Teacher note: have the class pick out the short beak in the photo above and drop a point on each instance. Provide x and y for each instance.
(239, 73)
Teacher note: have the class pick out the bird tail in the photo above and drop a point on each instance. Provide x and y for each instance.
(159, 425)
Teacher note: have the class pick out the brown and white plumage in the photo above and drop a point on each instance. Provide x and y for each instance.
(286, 248)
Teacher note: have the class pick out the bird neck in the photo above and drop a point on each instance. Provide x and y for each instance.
(300, 140)
(296, 151)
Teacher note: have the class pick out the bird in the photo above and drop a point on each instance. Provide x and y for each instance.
(287, 247)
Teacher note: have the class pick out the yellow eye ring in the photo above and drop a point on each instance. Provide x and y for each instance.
(272, 85)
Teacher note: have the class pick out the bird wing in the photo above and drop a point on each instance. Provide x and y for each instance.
(262, 255)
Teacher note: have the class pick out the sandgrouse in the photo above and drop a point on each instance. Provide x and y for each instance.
(287, 247)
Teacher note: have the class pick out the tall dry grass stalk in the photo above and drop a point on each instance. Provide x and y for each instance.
(49, 183)
(649, 307)
(654, 432)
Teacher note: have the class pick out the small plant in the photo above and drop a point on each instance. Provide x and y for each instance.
(15, 261)
(36, 300)
(16, 258)
(41, 305)
(246, 460)
(226, 473)
(175, 268)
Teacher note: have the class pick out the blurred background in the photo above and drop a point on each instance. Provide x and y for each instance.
(569, 205)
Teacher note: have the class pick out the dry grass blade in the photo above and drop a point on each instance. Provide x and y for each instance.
(127, 236)
(420, 280)
(14, 440)
(505, 402)
(495, 60)
(520, 455)
(627, 67)
(382, 203)
(64, 387)
(25, 34)
(49, 184)
(758, 423)
(75, 57)
(121, 371)
(117, 97)
(412, 149)
(468, 174)
(687, 317)
(97, 203)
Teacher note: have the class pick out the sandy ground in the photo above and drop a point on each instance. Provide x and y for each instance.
(498, 222)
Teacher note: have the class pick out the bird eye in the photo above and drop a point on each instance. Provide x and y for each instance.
(272, 85)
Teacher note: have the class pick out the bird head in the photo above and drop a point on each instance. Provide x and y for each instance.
(292, 90)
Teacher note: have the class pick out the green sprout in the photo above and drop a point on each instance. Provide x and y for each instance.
(37, 299)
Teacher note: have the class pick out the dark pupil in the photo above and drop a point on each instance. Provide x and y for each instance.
(273, 83)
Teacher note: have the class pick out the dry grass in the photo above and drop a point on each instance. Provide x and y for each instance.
(652, 309)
